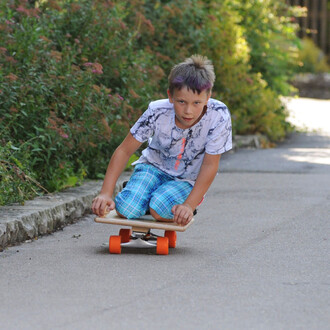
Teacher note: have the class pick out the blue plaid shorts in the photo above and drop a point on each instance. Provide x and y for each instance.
(150, 187)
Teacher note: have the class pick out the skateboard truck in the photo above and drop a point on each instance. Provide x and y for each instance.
(141, 240)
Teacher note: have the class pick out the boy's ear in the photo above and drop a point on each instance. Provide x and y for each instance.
(170, 96)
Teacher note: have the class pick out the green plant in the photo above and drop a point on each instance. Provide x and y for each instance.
(63, 104)
(311, 58)
(270, 30)
(17, 181)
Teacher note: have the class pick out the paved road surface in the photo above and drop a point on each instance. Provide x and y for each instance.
(258, 257)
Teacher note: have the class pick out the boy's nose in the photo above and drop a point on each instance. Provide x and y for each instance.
(188, 110)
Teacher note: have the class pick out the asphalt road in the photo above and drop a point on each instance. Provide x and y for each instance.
(257, 257)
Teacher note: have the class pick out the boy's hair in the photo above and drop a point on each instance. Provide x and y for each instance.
(195, 73)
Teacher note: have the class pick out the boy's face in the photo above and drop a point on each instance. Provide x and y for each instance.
(188, 106)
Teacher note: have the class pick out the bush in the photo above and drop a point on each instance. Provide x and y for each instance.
(75, 75)
(255, 106)
(63, 105)
(311, 58)
(17, 182)
(270, 30)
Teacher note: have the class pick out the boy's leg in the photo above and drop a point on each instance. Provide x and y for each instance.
(133, 201)
(166, 196)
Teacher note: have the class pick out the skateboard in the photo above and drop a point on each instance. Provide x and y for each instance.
(139, 235)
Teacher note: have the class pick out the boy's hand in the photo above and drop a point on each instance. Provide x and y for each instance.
(102, 204)
(183, 213)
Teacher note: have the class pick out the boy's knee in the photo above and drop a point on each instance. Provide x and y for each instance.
(128, 208)
(159, 211)
(156, 216)
(120, 215)
(128, 211)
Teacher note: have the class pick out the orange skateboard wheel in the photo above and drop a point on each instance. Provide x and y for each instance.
(171, 235)
(125, 235)
(114, 244)
(162, 245)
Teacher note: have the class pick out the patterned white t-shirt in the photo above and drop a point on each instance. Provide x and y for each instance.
(180, 152)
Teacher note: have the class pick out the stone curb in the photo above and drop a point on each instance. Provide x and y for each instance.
(44, 215)
(249, 141)
(313, 85)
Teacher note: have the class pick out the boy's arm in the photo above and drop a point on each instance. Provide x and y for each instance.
(116, 166)
(183, 213)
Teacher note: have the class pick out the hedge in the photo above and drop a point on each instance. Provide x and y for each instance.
(75, 75)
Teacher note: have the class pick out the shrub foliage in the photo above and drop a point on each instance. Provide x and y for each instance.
(75, 75)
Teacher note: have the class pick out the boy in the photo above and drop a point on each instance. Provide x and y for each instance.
(187, 134)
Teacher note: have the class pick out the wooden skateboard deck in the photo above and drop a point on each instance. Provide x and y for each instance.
(140, 235)
(146, 222)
